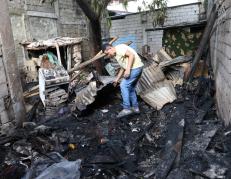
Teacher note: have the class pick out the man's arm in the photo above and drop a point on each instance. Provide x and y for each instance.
(119, 75)
(131, 58)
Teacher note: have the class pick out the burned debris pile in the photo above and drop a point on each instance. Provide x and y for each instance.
(154, 144)
(74, 132)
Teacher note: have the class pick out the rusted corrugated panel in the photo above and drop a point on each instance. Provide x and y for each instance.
(176, 75)
(87, 95)
(159, 95)
(178, 60)
(150, 76)
(61, 41)
(154, 89)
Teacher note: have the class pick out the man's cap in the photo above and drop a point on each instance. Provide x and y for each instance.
(105, 46)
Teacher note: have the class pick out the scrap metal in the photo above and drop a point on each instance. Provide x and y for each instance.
(44, 44)
(87, 95)
(154, 89)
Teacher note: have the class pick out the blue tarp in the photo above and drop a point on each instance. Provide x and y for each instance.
(126, 39)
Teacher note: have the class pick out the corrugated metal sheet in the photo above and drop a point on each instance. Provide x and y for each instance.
(176, 75)
(125, 39)
(87, 95)
(150, 76)
(154, 89)
(159, 95)
(60, 41)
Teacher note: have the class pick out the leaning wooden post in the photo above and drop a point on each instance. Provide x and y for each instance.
(10, 65)
(204, 41)
(97, 57)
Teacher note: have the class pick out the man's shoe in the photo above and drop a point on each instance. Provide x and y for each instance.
(124, 112)
(136, 110)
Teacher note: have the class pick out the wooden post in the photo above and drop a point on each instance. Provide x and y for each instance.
(10, 65)
(58, 53)
(204, 41)
(69, 49)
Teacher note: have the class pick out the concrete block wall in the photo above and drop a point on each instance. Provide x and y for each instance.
(221, 61)
(73, 23)
(131, 25)
(35, 5)
(155, 40)
(136, 24)
(184, 13)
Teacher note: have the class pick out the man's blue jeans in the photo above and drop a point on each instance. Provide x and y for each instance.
(127, 87)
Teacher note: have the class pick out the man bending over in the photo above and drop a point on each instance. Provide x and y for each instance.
(131, 69)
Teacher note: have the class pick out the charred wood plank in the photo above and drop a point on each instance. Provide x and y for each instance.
(164, 167)
(175, 138)
(178, 60)
(9, 139)
(204, 110)
(198, 174)
(133, 145)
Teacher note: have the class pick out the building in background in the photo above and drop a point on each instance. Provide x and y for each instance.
(134, 5)
(180, 34)
(41, 20)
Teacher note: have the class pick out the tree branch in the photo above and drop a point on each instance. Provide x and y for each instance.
(86, 8)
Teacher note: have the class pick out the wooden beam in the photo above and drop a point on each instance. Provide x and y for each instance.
(204, 40)
(84, 64)
(58, 53)
(69, 55)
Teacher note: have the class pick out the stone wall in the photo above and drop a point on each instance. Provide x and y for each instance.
(33, 20)
(136, 25)
(221, 60)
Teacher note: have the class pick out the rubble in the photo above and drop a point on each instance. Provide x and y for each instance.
(167, 143)
(177, 133)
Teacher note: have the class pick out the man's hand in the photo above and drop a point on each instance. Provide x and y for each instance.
(115, 83)
(127, 73)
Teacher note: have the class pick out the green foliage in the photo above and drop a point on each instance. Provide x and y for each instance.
(206, 4)
(158, 10)
(100, 8)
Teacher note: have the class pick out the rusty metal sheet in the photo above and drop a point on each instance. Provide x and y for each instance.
(87, 95)
(161, 94)
(60, 41)
(150, 76)
(154, 89)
